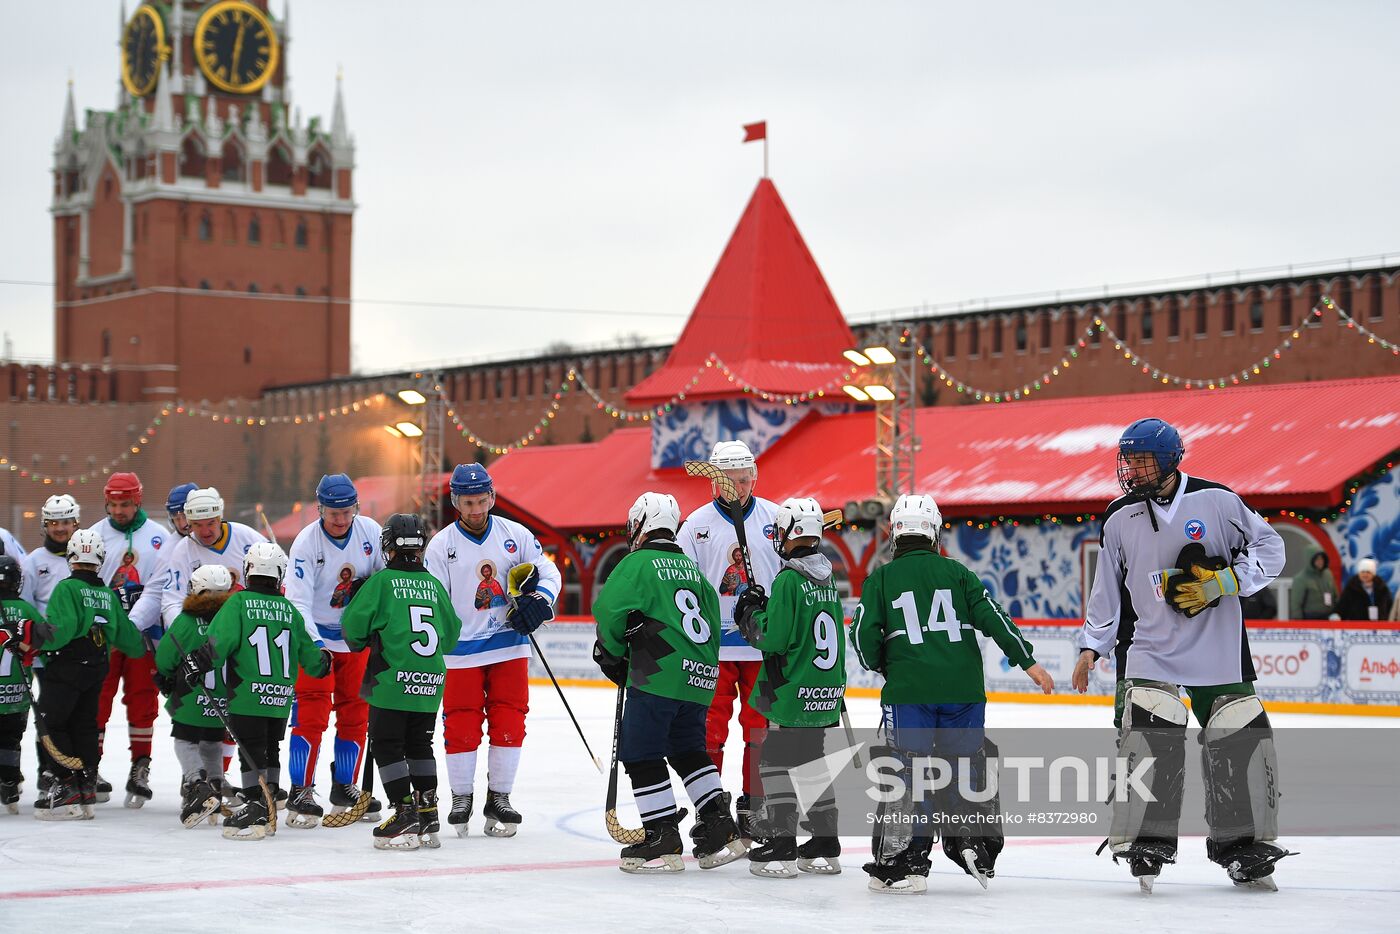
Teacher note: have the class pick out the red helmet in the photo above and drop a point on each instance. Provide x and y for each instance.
(123, 485)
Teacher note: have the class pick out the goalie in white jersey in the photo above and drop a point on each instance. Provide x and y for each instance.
(708, 536)
(329, 560)
(212, 540)
(135, 544)
(1177, 553)
(487, 670)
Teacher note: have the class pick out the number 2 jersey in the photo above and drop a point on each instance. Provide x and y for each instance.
(407, 620)
(708, 536)
(677, 653)
(262, 641)
(801, 636)
(321, 572)
(233, 543)
(473, 570)
(915, 623)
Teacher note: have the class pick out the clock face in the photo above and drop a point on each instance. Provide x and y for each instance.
(236, 46)
(143, 50)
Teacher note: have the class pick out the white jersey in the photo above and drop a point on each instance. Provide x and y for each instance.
(473, 570)
(1128, 616)
(707, 535)
(41, 571)
(11, 545)
(145, 615)
(189, 554)
(321, 571)
(133, 556)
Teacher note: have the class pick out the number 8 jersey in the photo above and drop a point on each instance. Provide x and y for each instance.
(408, 620)
(676, 654)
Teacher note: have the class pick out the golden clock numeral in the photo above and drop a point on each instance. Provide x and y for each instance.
(223, 17)
(209, 45)
(259, 65)
(263, 50)
(223, 70)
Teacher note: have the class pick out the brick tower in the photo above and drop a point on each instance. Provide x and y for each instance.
(202, 230)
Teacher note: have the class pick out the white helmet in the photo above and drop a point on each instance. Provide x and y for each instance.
(86, 547)
(797, 517)
(204, 504)
(732, 455)
(211, 578)
(59, 507)
(915, 514)
(264, 559)
(650, 512)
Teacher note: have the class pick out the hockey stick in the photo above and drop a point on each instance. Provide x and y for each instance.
(41, 726)
(850, 733)
(271, 535)
(618, 832)
(268, 798)
(563, 700)
(360, 808)
(831, 517)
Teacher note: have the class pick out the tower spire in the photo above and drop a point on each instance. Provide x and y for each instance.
(340, 127)
(70, 119)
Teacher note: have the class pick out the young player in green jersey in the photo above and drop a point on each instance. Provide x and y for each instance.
(194, 725)
(262, 642)
(406, 618)
(916, 625)
(22, 627)
(658, 634)
(87, 619)
(800, 688)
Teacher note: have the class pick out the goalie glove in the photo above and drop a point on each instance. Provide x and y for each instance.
(750, 602)
(1199, 581)
(529, 608)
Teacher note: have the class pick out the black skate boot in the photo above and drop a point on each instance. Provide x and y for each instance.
(748, 814)
(461, 813)
(104, 789)
(138, 783)
(974, 855)
(661, 851)
(428, 826)
(400, 831)
(818, 855)
(344, 796)
(1146, 857)
(502, 820)
(715, 835)
(302, 810)
(1249, 865)
(9, 795)
(63, 801)
(247, 819)
(776, 858)
(902, 876)
(87, 787)
(199, 801)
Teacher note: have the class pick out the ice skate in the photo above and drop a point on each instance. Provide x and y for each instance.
(87, 789)
(460, 814)
(428, 825)
(895, 879)
(345, 795)
(302, 810)
(749, 818)
(9, 795)
(1146, 859)
(1251, 865)
(660, 852)
(977, 860)
(400, 831)
(200, 800)
(63, 801)
(775, 859)
(502, 820)
(104, 789)
(818, 855)
(715, 835)
(247, 820)
(138, 783)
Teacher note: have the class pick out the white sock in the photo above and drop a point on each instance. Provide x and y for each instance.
(461, 772)
(501, 765)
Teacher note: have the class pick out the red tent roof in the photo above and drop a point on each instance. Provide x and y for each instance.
(1287, 446)
(765, 302)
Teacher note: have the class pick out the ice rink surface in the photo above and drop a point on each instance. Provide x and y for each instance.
(140, 870)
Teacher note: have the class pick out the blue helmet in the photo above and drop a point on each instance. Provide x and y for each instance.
(336, 491)
(470, 479)
(175, 502)
(1149, 436)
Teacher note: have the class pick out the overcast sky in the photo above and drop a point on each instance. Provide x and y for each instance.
(587, 155)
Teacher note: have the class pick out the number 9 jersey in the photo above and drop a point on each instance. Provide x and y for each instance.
(406, 617)
(676, 652)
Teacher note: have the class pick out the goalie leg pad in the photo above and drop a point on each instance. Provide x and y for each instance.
(974, 839)
(1154, 725)
(1240, 765)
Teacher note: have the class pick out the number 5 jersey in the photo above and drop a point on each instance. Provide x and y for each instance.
(406, 618)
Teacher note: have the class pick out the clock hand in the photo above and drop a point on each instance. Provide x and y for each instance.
(238, 49)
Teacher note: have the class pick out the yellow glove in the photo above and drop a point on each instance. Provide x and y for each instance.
(1199, 581)
(522, 579)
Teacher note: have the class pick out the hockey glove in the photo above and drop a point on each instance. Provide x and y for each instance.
(128, 594)
(195, 664)
(20, 638)
(528, 612)
(326, 659)
(613, 668)
(1198, 581)
(746, 608)
(163, 684)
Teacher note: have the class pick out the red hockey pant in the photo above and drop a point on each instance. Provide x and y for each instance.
(338, 690)
(137, 677)
(497, 695)
(736, 679)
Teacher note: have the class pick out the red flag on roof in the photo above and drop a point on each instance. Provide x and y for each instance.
(753, 131)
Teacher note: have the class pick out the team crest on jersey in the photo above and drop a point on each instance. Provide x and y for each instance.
(156, 542)
(368, 549)
(770, 531)
(510, 546)
(1195, 529)
(702, 535)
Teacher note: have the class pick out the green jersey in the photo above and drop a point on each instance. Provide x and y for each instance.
(915, 624)
(189, 631)
(13, 675)
(407, 618)
(803, 649)
(677, 653)
(263, 640)
(87, 617)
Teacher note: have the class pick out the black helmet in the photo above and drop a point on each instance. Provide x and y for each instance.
(10, 577)
(404, 534)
